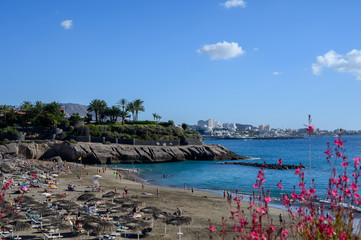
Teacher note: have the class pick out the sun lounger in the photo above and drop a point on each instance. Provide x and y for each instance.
(47, 236)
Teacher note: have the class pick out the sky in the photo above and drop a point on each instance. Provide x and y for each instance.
(236, 61)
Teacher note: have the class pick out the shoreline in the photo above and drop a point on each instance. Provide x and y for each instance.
(200, 206)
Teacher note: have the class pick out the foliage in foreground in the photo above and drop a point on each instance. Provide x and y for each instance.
(310, 219)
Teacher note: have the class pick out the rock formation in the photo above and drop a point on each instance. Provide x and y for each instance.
(270, 166)
(98, 153)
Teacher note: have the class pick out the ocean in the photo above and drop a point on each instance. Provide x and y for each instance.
(211, 176)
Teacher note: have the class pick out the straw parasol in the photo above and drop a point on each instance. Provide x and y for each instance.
(105, 227)
(150, 210)
(163, 215)
(110, 194)
(86, 197)
(20, 226)
(179, 220)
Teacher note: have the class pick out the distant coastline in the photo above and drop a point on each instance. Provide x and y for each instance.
(250, 138)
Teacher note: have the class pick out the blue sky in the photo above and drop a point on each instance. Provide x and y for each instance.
(251, 61)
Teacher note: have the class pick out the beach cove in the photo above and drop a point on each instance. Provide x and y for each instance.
(199, 206)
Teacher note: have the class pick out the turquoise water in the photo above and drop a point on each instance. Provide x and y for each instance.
(208, 175)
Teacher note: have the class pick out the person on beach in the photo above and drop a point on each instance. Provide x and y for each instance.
(157, 192)
(126, 190)
(280, 218)
(185, 186)
(142, 186)
(179, 212)
(192, 190)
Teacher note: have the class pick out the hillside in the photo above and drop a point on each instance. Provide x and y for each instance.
(71, 108)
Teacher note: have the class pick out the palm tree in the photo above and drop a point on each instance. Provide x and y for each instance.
(159, 117)
(138, 104)
(97, 106)
(113, 113)
(131, 108)
(124, 115)
(123, 104)
(154, 116)
(4, 109)
(26, 106)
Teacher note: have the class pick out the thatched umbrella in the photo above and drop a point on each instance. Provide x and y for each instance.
(132, 204)
(150, 210)
(105, 227)
(86, 197)
(42, 212)
(163, 215)
(179, 220)
(19, 226)
(90, 226)
(122, 200)
(137, 224)
(95, 199)
(110, 194)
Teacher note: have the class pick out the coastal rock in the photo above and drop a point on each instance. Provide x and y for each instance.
(98, 153)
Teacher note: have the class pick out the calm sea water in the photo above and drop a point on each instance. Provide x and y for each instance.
(210, 176)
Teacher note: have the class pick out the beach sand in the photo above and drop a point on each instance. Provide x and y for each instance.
(200, 206)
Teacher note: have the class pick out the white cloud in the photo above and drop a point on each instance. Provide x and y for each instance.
(255, 49)
(277, 73)
(234, 3)
(67, 24)
(222, 50)
(349, 63)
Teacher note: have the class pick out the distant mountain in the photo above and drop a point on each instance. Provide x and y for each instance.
(71, 108)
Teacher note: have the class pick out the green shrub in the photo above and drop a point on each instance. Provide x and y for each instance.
(73, 141)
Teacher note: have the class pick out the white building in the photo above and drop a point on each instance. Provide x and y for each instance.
(231, 126)
(209, 123)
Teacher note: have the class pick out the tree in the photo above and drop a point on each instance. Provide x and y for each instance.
(97, 106)
(26, 106)
(123, 104)
(159, 117)
(4, 109)
(88, 118)
(184, 126)
(113, 113)
(131, 108)
(154, 116)
(138, 104)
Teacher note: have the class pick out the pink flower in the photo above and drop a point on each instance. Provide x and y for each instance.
(255, 186)
(343, 236)
(298, 171)
(327, 152)
(212, 228)
(280, 161)
(267, 199)
(285, 232)
(357, 160)
(354, 187)
(345, 164)
(280, 185)
(310, 129)
(338, 142)
(253, 235)
(334, 193)
(345, 179)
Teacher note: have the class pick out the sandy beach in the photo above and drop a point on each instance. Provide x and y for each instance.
(199, 206)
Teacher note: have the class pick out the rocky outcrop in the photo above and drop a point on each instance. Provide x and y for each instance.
(270, 166)
(98, 153)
